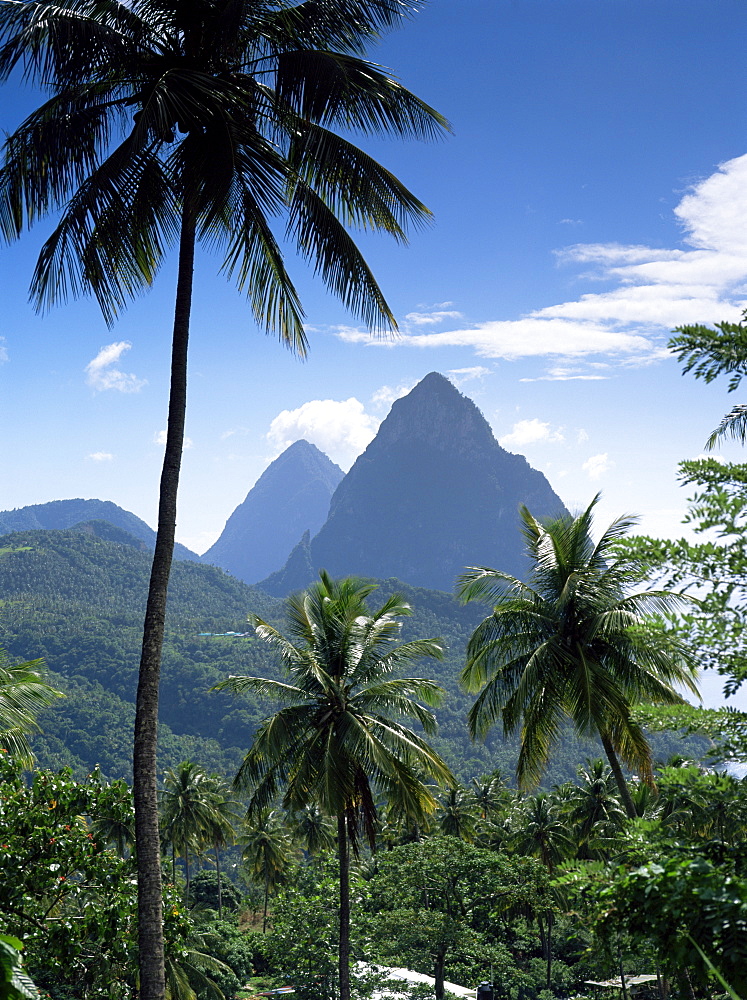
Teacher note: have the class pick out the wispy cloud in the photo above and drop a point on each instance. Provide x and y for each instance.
(101, 456)
(532, 431)
(596, 466)
(3, 351)
(102, 372)
(387, 394)
(460, 376)
(650, 291)
(431, 318)
(340, 428)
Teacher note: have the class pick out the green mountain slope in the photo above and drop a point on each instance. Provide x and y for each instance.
(77, 600)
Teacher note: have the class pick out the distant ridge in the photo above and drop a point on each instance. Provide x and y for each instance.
(290, 497)
(63, 514)
(433, 492)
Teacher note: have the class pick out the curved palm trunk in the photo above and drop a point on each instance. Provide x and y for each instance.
(344, 953)
(619, 777)
(150, 895)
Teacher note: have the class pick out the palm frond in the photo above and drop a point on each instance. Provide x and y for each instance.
(335, 88)
(323, 239)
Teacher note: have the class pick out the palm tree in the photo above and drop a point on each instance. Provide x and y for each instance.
(23, 694)
(267, 850)
(169, 124)
(571, 643)
(458, 814)
(540, 833)
(220, 830)
(709, 353)
(339, 738)
(189, 812)
(490, 794)
(594, 810)
(311, 829)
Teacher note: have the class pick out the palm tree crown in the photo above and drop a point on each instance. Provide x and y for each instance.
(339, 739)
(340, 736)
(23, 694)
(571, 644)
(205, 119)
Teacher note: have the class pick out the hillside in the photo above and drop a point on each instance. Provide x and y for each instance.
(77, 600)
(61, 514)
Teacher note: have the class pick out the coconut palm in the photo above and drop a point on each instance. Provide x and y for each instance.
(458, 814)
(23, 694)
(189, 812)
(267, 850)
(571, 643)
(311, 829)
(490, 794)
(540, 832)
(339, 739)
(220, 831)
(594, 811)
(171, 124)
(709, 353)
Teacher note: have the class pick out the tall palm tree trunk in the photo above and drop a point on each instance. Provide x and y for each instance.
(186, 876)
(267, 896)
(217, 871)
(150, 895)
(619, 777)
(344, 953)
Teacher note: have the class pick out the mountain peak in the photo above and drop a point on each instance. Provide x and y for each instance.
(291, 496)
(436, 411)
(432, 493)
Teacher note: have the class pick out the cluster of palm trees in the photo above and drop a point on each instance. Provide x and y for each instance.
(572, 643)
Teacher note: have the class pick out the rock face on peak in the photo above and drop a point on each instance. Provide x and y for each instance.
(433, 492)
(290, 497)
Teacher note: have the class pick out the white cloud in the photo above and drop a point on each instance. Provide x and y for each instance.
(102, 373)
(532, 431)
(581, 436)
(431, 318)
(101, 456)
(536, 336)
(596, 466)
(387, 394)
(461, 375)
(340, 428)
(3, 351)
(160, 438)
(650, 291)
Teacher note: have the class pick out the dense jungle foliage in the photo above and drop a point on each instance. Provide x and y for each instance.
(77, 600)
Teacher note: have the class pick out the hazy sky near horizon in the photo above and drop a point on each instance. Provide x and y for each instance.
(593, 196)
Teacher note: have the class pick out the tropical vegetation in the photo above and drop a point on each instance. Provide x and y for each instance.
(573, 642)
(468, 879)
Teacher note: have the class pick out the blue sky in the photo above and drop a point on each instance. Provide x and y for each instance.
(593, 196)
